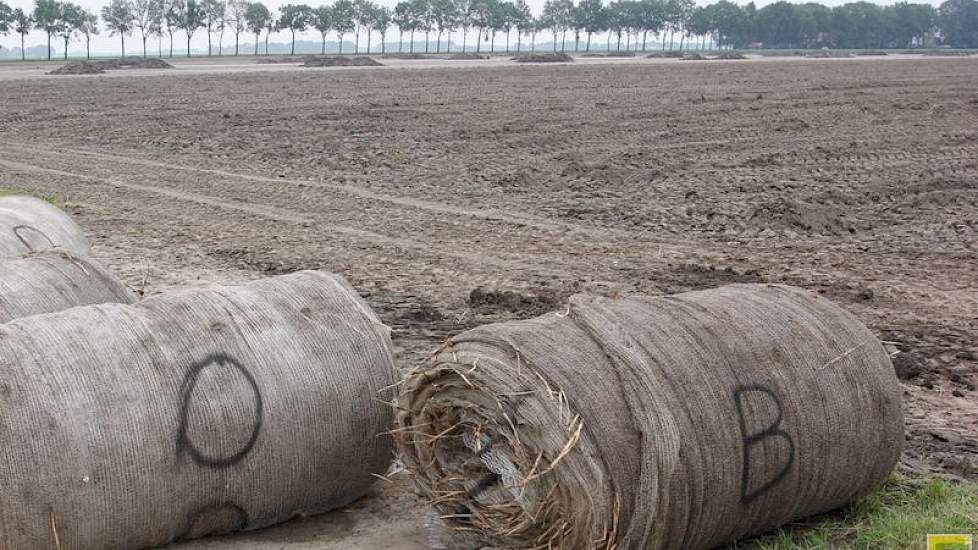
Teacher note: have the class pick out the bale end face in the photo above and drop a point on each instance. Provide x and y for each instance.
(499, 468)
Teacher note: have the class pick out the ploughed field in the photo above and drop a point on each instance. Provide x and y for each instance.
(452, 197)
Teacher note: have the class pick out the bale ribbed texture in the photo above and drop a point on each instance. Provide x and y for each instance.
(29, 224)
(645, 423)
(53, 281)
(200, 412)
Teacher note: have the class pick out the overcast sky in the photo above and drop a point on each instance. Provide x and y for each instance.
(107, 44)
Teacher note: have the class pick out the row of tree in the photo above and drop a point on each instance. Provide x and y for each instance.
(722, 24)
(856, 25)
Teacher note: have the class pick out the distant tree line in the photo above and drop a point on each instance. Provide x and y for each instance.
(627, 23)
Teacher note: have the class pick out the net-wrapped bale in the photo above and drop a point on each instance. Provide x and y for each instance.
(193, 413)
(29, 224)
(53, 281)
(684, 421)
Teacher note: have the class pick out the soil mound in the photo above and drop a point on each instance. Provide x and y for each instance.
(152, 63)
(693, 57)
(468, 56)
(559, 57)
(608, 54)
(277, 60)
(871, 52)
(98, 67)
(133, 63)
(341, 61)
(406, 56)
(665, 55)
(365, 62)
(827, 54)
(78, 67)
(947, 53)
(731, 55)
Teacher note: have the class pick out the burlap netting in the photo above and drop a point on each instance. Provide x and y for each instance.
(644, 423)
(29, 224)
(204, 411)
(52, 281)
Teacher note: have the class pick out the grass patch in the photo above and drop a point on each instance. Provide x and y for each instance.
(897, 517)
(56, 199)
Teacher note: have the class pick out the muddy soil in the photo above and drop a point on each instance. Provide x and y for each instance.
(455, 197)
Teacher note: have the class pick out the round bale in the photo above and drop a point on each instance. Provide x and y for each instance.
(29, 224)
(53, 281)
(684, 421)
(193, 413)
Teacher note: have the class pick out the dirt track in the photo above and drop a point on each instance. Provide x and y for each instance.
(856, 179)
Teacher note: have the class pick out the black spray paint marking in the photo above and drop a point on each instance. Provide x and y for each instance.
(751, 439)
(184, 444)
(21, 232)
